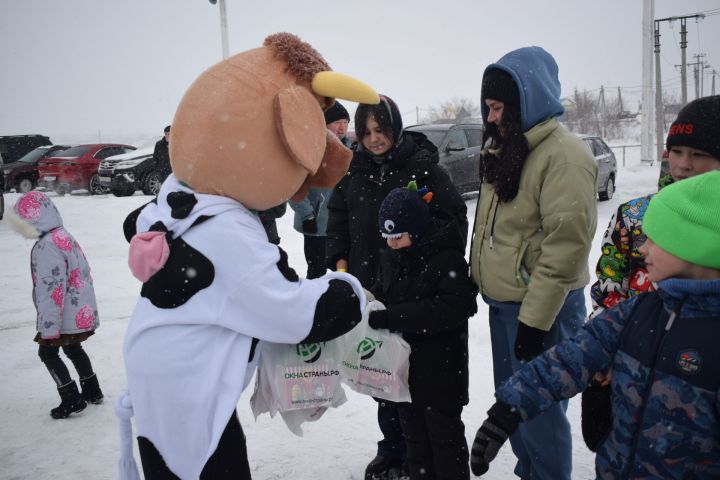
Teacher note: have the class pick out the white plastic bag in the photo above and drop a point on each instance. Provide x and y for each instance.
(376, 362)
(299, 381)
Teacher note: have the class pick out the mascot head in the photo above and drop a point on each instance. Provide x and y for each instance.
(252, 127)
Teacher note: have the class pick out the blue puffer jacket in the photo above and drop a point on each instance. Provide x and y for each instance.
(663, 350)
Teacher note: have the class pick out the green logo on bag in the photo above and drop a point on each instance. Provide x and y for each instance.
(366, 348)
(309, 352)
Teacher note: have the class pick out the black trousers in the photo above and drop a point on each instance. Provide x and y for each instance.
(228, 462)
(315, 255)
(50, 356)
(436, 445)
(392, 444)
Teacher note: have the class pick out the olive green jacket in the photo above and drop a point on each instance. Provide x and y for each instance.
(534, 249)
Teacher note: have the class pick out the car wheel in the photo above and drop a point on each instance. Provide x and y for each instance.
(124, 191)
(61, 190)
(95, 187)
(609, 190)
(24, 185)
(152, 184)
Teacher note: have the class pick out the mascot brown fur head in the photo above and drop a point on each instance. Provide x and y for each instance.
(252, 127)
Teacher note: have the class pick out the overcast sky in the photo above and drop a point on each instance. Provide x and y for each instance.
(89, 69)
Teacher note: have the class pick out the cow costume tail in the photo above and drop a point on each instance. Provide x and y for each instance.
(127, 467)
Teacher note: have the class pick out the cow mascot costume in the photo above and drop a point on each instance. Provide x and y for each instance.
(248, 135)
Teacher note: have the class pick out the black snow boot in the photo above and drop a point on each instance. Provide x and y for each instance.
(91, 392)
(72, 402)
(385, 468)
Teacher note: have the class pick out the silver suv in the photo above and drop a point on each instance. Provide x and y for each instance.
(607, 165)
(459, 148)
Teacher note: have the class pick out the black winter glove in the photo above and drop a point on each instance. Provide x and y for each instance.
(595, 414)
(502, 422)
(309, 225)
(528, 342)
(379, 319)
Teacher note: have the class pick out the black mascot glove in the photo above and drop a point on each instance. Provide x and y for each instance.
(379, 319)
(595, 414)
(528, 342)
(502, 422)
(309, 225)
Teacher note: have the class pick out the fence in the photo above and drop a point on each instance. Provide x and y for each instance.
(624, 148)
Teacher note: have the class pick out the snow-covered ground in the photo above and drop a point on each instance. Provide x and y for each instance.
(85, 446)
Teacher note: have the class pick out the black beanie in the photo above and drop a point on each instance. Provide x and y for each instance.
(697, 126)
(497, 84)
(336, 112)
(404, 211)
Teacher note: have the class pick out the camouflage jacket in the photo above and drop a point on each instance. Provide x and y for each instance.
(665, 384)
(620, 270)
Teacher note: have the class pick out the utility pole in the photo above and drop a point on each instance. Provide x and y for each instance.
(603, 133)
(702, 78)
(646, 135)
(714, 72)
(683, 47)
(699, 67)
(659, 110)
(621, 108)
(223, 27)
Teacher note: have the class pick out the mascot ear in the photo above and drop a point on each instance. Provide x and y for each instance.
(335, 164)
(301, 125)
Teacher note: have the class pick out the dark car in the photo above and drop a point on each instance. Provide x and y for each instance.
(12, 147)
(23, 174)
(607, 165)
(459, 148)
(2, 192)
(124, 174)
(76, 167)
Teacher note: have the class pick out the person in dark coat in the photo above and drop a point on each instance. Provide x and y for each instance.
(385, 158)
(161, 156)
(426, 287)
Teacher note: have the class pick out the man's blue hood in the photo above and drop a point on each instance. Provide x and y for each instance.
(536, 74)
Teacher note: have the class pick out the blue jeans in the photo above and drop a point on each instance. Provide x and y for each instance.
(543, 445)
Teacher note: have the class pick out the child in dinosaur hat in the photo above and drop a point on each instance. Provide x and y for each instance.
(429, 295)
(661, 345)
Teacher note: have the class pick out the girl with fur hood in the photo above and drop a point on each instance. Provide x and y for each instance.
(64, 299)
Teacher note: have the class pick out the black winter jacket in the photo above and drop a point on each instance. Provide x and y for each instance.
(429, 297)
(353, 232)
(162, 157)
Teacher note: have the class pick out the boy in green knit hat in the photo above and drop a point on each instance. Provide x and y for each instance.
(661, 345)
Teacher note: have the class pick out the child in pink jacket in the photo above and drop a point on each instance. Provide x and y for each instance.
(64, 299)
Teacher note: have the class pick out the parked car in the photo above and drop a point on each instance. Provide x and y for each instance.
(22, 175)
(12, 147)
(2, 190)
(607, 165)
(126, 173)
(76, 167)
(459, 148)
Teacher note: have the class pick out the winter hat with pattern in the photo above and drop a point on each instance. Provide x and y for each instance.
(404, 211)
(684, 219)
(336, 112)
(698, 126)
